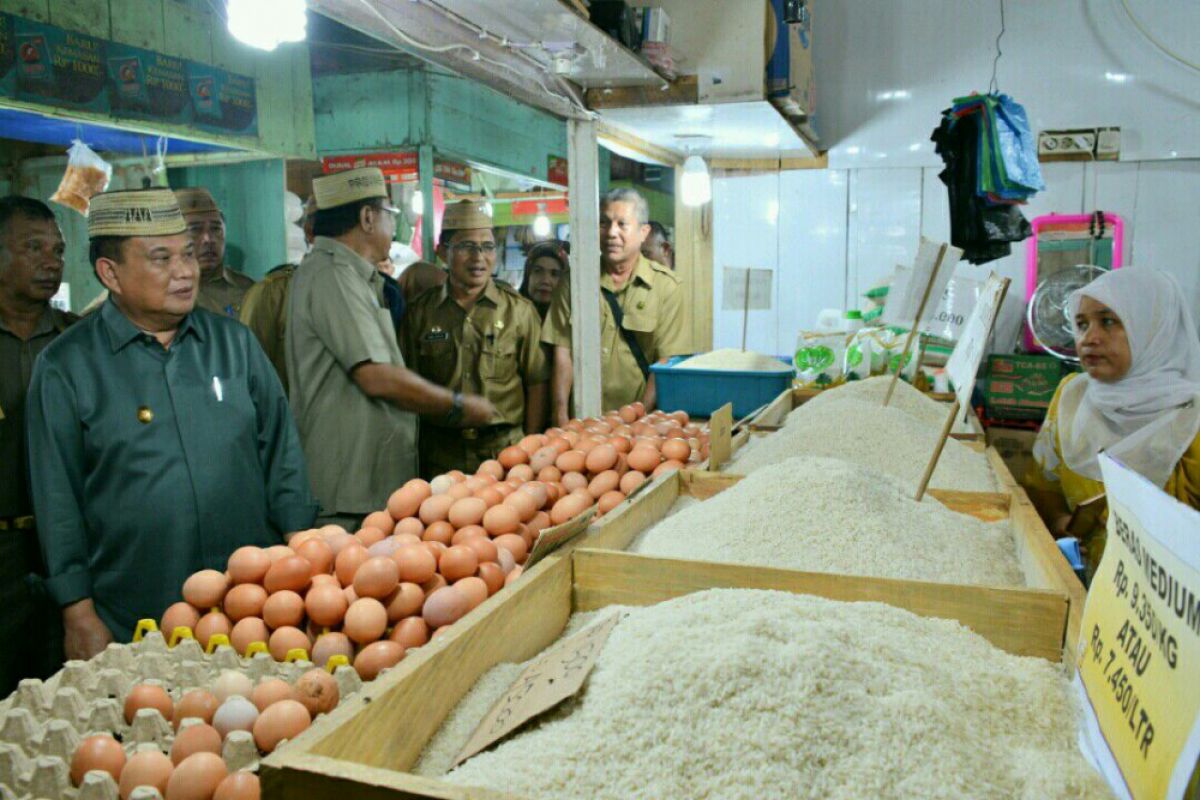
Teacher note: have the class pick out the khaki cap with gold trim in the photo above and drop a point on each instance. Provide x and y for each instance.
(138, 212)
(196, 200)
(350, 186)
(466, 215)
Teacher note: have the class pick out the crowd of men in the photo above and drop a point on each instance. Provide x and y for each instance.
(193, 411)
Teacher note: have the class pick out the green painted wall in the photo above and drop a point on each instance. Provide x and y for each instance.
(662, 205)
(189, 30)
(250, 194)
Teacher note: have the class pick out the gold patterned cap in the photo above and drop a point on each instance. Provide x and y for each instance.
(352, 185)
(196, 200)
(466, 215)
(139, 212)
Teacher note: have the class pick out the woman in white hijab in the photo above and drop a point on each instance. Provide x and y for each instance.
(1138, 400)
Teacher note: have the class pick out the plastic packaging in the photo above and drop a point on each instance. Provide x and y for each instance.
(852, 321)
(87, 175)
(820, 357)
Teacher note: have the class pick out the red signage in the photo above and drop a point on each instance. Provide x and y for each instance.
(401, 167)
(556, 170)
(530, 208)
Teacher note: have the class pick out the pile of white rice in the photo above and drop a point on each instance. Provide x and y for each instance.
(751, 694)
(735, 360)
(908, 399)
(825, 515)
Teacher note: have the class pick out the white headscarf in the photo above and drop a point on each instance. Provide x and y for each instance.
(1148, 418)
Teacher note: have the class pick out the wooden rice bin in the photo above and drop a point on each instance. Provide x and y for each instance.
(364, 747)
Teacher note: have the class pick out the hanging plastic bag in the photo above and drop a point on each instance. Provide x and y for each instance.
(87, 175)
(1018, 147)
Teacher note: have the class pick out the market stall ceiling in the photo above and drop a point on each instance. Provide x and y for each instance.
(28, 126)
(752, 130)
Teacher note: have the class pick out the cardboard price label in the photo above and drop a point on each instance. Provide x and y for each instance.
(964, 362)
(720, 437)
(1139, 648)
(552, 677)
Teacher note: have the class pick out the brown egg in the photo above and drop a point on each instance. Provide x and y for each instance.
(666, 466)
(380, 520)
(609, 500)
(644, 459)
(366, 620)
(318, 554)
(601, 457)
(283, 609)
(414, 564)
(458, 562)
(317, 691)
(539, 523)
(248, 565)
(214, 623)
(620, 444)
(521, 473)
(146, 768)
(628, 414)
(278, 551)
(348, 562)
(405, 601)
(631, 480)
(514, 544)
(676, 450)
(560, 443)
(571, 461)
(469, 532)
(205, 589)
(468, 511)
(369, 537)
(178, 615)
(411, 525)
(504, 490)
(445, 607)
(435, 508)
(435, 549)
(410, 632)
(101, 752)
(325, 580)
(433, 584)
(405, 501)
(244, 600)
(512, 456)
(567, 508)
(492, 575)
(536, 490)
(350, 595)
(474, 589)
(292, 573)
(484, 549)
(325, 605)
(240, 785)
(490, 495)
(501, 519)
(197, 703)
(603, 483)
(491, 467)
(375, 658)
(574, 481)
(329, 645)
(511, 578)
(524, 503)
(551, 474)
(545, 457)
(246, 632)
(286, 639)
(461, 491)
(195, 739)
(145, 695)
(286, 719)
(270, 690)
(532, 443)
(196, 777)
(439, 532)
(377, 577)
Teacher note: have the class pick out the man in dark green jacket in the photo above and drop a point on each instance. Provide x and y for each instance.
(159, 436)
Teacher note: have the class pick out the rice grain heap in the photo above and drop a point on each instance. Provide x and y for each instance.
(734, 360)
(826, 515)
(731, 693)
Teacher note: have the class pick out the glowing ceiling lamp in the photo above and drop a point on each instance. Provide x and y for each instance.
(695, 187)
(541, 223)
(417, 204)
(266, 24)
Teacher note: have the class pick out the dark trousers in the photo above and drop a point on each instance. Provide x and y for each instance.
(30, 622)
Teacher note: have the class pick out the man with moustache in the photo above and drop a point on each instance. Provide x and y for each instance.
(221, 288)
(160, 439)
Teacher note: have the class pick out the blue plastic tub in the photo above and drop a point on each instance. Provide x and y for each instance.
(700, 392)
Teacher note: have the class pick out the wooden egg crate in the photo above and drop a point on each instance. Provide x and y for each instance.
(364, 748)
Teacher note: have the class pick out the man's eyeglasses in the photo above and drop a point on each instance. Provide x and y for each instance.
(473, 248)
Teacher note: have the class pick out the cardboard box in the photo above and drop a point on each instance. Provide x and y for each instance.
(1020, 387)
(791, 86)
(1015, 446)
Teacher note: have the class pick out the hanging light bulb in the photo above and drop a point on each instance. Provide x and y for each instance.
(417, 204)
(695, 187)
(541, 223)
(266, 24)
(487, 209)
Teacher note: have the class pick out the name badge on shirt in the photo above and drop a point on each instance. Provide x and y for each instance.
(436, 335)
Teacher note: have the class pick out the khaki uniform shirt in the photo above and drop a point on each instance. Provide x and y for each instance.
(652, 303)
(492, 350)
(264, 312)
(222, 290)
(359, 449)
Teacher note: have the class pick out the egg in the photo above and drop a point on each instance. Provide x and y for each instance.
(410, 632)
(414, 564)
(524, 503)
(601, 457)
(568, 508)
(240, 785)
(292, 573)
(198, 703)
(468, 511)
(571, 461)
(644, 458)
(286, 719)
(388, 546)
(484, 549)
(532, 443)
(411, 525)
(469, 532)
(366, 620)
(214, 623)
(445, 607)
(317, 691)
(435, 549)
(545, 457)
(405, 501)
(200, 738)
(196, 777)
(574, 481)
(628, 414)
(551, 474)
(474, 589)
(244, 600)
(231, 682)
(458, 562)
(325, 580)
(248, 564)
(268, 691)
(348, 562)
(438, 532)
(514, 544)
(235, 714)
(521, 473)
(325, 605)
(511, 578)
(461, 491)
(609, 500)
(512, 456)
(377, 577)
(676, 450)
(369, 537)
(145, 768)
(204, 589)
(500, 519)
(329, 645)
(286, 639)
(146, 695)
(630, 481)
(537, 491)
(603, 483)
(246, 632)
(492, 575)
(490, 495)
(539, 523)
(436, 508)
(505, 560)
(283, 609)
(178, 615)
(101, 752)
(318, 554)
(380, 520)
(405, 601)
(491, 467)
(441, 484)
(375, 658)
(666, 466)
(433, 584)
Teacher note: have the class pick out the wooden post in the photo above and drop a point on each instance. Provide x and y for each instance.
(937, 451)
(584, 193)
(425, 181)
(916, 322)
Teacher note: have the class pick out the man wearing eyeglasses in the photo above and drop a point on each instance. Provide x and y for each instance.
(221, 288)
(355, 401)
(476, 335)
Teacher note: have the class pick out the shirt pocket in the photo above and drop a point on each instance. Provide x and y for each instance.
(641, 315)
(498, 360)
(437, 358)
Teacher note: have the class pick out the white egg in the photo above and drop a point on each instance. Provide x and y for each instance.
(441, 484)
(235, 714)
(230, 683)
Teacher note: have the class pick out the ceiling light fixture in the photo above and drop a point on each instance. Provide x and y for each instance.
(695, 185)
(266, 24)
(417, 204)
(541, 223)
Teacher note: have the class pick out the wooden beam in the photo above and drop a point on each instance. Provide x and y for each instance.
(684, 91)
(639, 146)
(769, 164)
(584, 187)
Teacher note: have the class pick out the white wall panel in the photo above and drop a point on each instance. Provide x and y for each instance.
(885, 226)
(745, 236)
(1168, 236)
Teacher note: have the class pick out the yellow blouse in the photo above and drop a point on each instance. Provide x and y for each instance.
(1048, 472)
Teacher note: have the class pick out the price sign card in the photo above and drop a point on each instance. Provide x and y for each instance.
(720, 436)
(1138, 668)
(964, 362)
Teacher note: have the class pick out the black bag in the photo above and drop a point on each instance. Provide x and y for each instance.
(630, 340)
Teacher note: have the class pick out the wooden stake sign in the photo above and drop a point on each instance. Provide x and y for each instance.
(720, 437)
(919, 315)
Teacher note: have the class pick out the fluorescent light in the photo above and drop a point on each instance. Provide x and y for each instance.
(773, 211)
(266, 24)
(853, 150)
(1116, 77)
(417, 204)
(771, 140)
(695, 185)
(541, 223)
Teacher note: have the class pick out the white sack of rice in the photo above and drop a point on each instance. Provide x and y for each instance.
(735, 694)
(825, 515)
(734, 360)
(882, 438)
